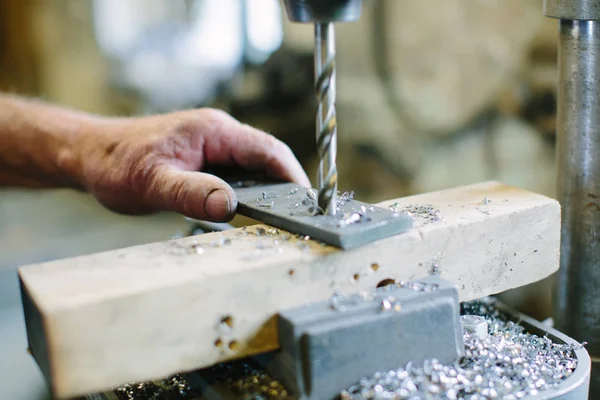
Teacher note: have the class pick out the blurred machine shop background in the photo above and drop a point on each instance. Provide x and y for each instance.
(431, 94)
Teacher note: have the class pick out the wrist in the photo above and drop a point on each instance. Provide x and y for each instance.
(88, 138)
(67, 157)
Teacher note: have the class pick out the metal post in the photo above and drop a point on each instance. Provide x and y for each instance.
(577, 297)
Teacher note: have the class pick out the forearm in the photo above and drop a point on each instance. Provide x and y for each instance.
(38, 142)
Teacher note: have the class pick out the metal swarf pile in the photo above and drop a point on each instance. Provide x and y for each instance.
(508, 363)
(425, 213)
(173, 388)
(504, 363)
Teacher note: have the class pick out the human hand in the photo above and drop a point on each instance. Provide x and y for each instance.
(142, 165)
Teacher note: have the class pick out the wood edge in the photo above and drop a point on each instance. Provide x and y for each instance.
(552, 204)
(26, 267)
(37, 334)
(491, 184)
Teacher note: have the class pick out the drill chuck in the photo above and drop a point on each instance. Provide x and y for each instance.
(321, 11)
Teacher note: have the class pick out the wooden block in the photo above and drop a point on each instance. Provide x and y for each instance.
(149, 311)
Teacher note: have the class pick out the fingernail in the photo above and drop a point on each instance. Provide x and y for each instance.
(217, 205)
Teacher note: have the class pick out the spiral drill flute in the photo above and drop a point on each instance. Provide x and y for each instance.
(326, 116)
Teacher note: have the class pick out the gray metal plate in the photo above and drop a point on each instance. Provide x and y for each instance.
(288, 206)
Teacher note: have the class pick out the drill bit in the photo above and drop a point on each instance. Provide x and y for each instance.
(326, 116)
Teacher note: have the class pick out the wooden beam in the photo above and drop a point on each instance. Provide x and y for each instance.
(148, 311)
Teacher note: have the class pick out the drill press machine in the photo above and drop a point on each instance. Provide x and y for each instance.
(145, 312)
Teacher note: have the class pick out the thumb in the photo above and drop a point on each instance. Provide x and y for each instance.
(194, 194)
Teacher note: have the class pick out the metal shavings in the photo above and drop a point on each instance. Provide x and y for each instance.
(294, 190)
(483, 209)
(336, 301)
(269, 195)
(418, 286)
(197, 249)
(221, 241)
(244, 184)
(349, 219)
(426, 212)
(389, 304)
(246, 380)
(243, 231)
(311, 194)
(180, 249)
(434, 268)
(410, 285)
(177, 235)
(273, 238)
(265, 203)
(506, 364)
(174, 387)
(386, 305)
(476, 325)
(341, 302)
(395, 207)
(344, 198)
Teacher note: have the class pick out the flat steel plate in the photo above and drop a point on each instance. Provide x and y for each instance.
(290, 207)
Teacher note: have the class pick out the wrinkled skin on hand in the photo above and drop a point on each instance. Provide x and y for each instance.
(141, 165)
